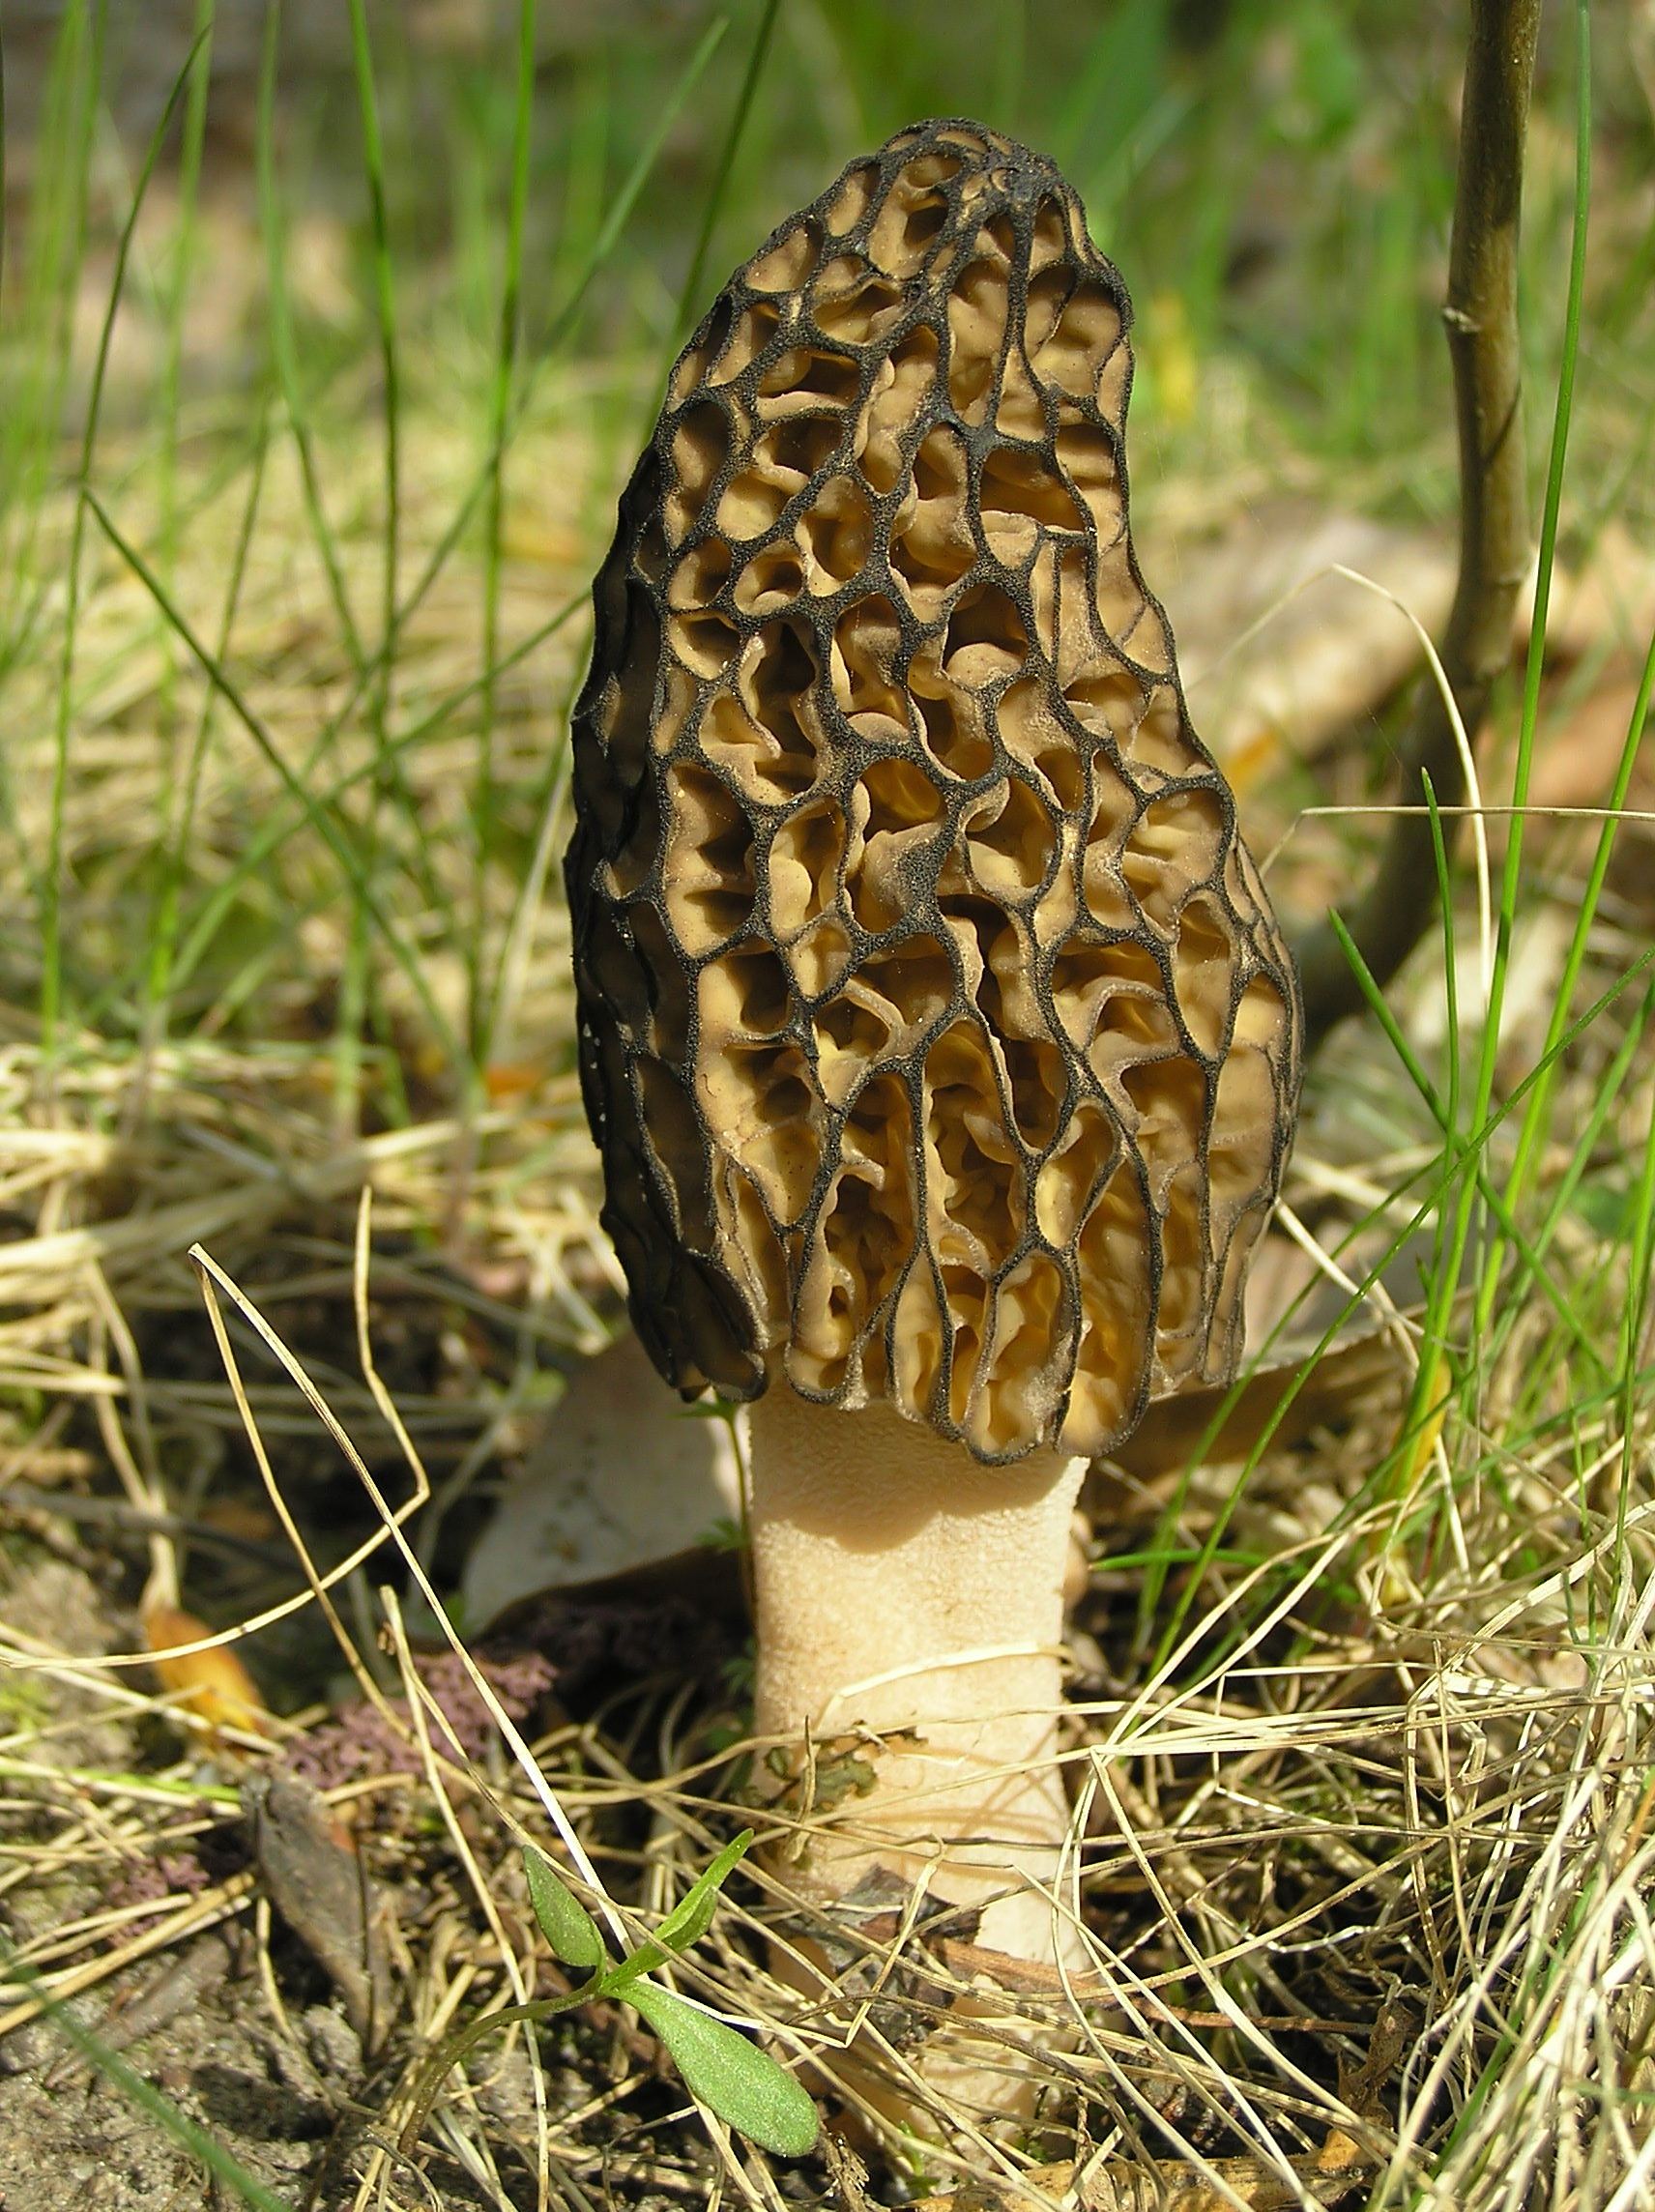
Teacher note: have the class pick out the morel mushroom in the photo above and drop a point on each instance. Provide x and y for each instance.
(935, 1028)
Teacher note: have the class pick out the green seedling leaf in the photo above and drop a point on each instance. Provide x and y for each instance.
(732, 2077)
(567, 1925)
(725, 1535)
(688, 1920)
(692, 1916)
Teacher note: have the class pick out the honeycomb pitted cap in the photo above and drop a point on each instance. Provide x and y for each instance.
(934, 1028)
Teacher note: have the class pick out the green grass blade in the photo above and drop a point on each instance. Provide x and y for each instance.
(3, 154)
(1475, 1185)
(1011, 60)
(164, 944)
(1472, 1145)
(355, 1010)
(384, 314)
(325, 818)
(1432, 1388)
(564, 321)
(56, 233)
(283, 350)
(1591, 1131)
(1470, 1149)
(584, 173)
(728, 152)
(627, 197)
(51, 918)
(498, 410)
(194, 137)
(204, 923)
(1534, 667)
(1634, 1327)
(143, 2094)
(1533, 1120)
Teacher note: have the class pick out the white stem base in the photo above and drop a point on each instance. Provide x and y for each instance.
(903, 1586)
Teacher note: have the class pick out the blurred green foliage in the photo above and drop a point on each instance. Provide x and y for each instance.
(1275, 176)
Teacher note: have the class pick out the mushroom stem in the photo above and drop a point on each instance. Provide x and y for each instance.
(902, 1586)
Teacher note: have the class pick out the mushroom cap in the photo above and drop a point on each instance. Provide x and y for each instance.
(934, 1028)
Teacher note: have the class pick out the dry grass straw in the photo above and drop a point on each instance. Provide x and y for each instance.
(122, 1145)
(1361, 1859)
(1430, 1815)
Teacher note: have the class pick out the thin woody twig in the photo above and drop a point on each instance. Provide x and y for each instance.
(1483, 344)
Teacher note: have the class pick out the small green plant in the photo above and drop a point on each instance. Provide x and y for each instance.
(730, 2076)
(724, 1534)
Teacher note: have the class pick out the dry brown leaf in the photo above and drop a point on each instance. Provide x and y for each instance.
(248, 1517)
(1348, 1377)
(622, 1478)
(1576, 766)
(1608, 604)
(1332, 654)
(506, 1079)
(308, 1864)
(213, 1684)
